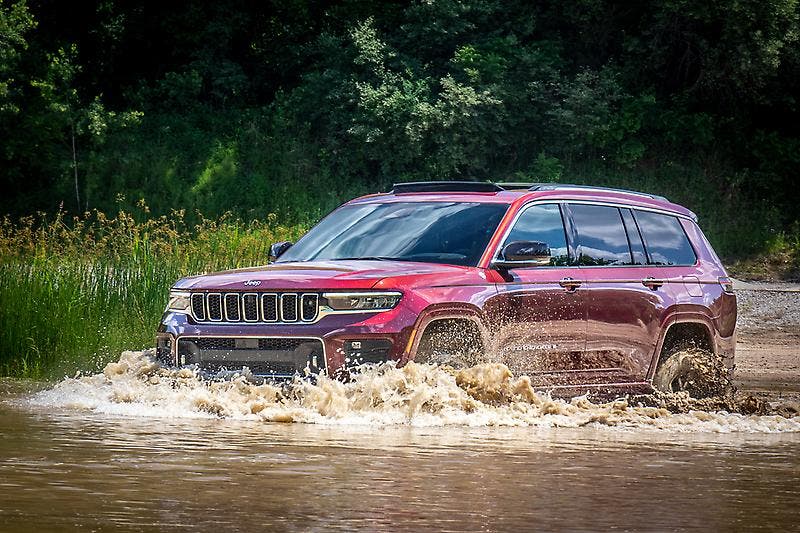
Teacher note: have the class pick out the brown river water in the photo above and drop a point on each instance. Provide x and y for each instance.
(419, 448)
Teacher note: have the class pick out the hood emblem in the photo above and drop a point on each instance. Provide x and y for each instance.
(252, 282)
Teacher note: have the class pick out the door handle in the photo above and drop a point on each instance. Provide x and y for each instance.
(652, 283)
(570, 284)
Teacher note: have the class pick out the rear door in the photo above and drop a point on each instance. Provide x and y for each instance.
(623, 310)
(539, 314)
(671, 271)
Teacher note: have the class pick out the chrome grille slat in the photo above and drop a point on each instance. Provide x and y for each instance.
(309, 307)
(252, 307)
(289, 307)
(269, 307)
(232, 313)
(214, 306)
(198, 306)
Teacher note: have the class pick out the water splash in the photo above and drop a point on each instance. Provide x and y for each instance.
(487, 394)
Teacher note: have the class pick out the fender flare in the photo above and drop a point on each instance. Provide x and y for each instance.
(438, 312)
(680, 317)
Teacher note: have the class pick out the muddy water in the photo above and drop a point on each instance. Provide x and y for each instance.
(142, 448)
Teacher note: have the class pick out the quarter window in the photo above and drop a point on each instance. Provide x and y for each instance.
(666, 242)
(601, 236)
(542, 223)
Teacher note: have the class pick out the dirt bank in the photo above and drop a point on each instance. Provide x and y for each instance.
(768, 347)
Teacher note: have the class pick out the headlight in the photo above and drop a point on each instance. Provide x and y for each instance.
(179, 301)
(362, 301)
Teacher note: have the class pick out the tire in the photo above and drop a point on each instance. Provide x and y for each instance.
(450, 343)
(699, 372)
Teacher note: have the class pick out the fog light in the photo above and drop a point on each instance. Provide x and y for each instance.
(164, 351)
(358, 352)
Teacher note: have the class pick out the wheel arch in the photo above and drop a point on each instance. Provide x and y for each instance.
(695, 328)
(439, 313)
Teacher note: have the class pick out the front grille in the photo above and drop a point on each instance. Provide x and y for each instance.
(284, 307)
(232, 308)
(265, 356)
(289, 307)
(269, 307)
(199, 306)
(250, 307)
(214, 306)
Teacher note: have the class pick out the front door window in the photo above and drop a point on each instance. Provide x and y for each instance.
(542, 223)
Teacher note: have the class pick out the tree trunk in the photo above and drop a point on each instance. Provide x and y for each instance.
(75, 168)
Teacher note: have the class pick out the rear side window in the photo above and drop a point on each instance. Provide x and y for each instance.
(634, 238)
(601, 236)
(666, 242)
(542, 223)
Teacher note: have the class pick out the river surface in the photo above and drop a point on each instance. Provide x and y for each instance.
(135, 449)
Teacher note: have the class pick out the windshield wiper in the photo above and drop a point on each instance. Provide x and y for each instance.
(365, 258)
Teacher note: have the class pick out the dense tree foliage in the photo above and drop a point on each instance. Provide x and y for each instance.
(290, 106)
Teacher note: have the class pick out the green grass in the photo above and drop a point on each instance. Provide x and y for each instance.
(67, 315)
(73, 296)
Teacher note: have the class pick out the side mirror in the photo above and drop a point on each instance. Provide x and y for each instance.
(521, 254)
(277, 249)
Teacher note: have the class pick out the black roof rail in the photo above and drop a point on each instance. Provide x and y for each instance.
(563, 186)
(515, 186)
(485, 186)
(445, 186)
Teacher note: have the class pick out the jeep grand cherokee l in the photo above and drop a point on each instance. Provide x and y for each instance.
(581, 288)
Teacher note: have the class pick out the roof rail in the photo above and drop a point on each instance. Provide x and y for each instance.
(445, 186)
(515, 186)
(563, 186)
(485, 186)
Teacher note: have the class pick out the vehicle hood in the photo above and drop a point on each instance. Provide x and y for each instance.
(326, 275)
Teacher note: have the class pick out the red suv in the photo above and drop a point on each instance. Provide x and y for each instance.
(581, 288)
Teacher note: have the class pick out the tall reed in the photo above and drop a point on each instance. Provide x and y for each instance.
(75, 292)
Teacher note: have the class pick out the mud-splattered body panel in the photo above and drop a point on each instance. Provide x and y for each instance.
(579, 325)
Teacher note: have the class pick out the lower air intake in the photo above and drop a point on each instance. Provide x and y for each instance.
(279, 357)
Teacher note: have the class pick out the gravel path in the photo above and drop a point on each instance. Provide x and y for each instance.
(763, 310)
(768, 340)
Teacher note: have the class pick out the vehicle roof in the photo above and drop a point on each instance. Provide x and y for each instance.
(524, 196)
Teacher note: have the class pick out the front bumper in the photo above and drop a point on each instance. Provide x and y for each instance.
(332, 346)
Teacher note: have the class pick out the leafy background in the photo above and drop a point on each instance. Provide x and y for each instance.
(143, 141)
(290, 107)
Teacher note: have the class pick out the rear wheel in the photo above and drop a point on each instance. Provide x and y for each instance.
(452, 342)
(697, 371)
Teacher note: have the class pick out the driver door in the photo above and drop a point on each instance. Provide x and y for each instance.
(539, 313)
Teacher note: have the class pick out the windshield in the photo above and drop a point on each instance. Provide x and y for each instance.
(453, 233)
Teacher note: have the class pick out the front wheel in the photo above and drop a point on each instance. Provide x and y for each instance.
(450, 342)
